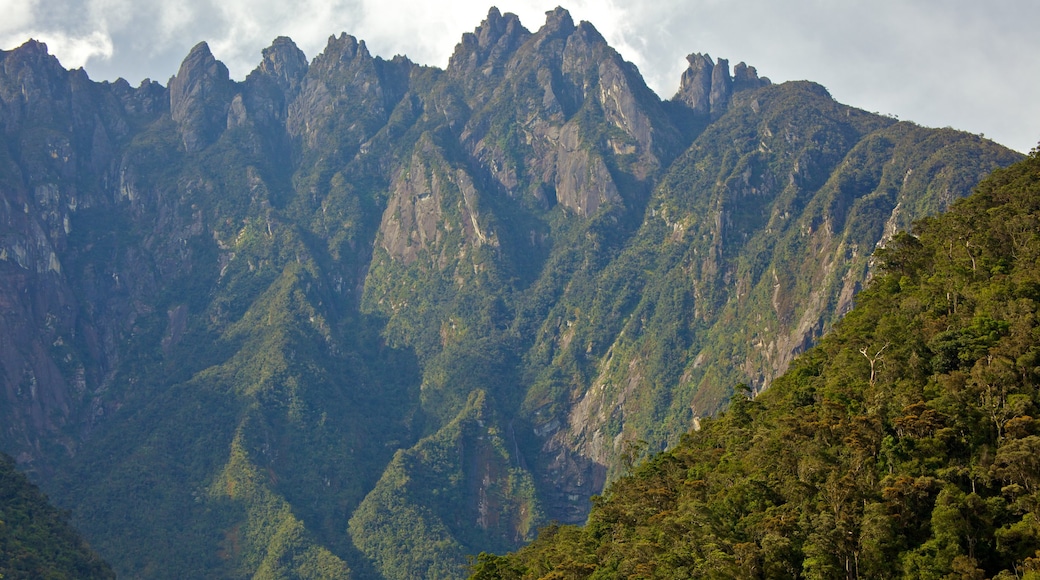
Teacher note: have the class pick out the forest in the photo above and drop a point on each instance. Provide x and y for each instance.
(904, 445)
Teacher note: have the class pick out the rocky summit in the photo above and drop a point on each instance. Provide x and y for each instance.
(358, 317)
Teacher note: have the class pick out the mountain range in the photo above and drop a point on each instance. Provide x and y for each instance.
(904, 445)
(357, 317)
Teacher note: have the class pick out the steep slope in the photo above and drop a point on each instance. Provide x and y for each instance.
(752, 245)
(249, 325)
(36, 540)
(904, 445)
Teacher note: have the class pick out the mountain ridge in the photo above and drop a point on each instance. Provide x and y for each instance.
(297, 290)
(902, 445)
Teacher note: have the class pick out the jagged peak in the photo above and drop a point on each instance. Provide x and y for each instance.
(346, 47)
(32, 47)
(557, 21)
(707, 86)
(477, 46)
(746, 77)
(591, 34)
(284, 62)
(34, 50)
(200, 63)
(698, 60)
(199, 52)
(282, 50)
(199, 95)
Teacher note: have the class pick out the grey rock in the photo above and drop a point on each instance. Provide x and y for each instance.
(200, 95)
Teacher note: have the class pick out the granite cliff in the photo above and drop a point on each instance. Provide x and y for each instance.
(362, 317)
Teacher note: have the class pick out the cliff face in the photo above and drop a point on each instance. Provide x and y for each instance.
(63, 135)
(706, 87)
(264, 309)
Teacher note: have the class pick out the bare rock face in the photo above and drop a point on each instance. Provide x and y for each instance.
(267, 91)
(695, 85)
(482, 55)
(558, 22)
(346, 94)
(555, 93)
(746, 77)
(583, 182)
(285, 63)
(431, 200)
(721, 86)
(706, 88)
(200, 96)
(68, 132)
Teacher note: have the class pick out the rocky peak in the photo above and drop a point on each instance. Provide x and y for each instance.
(346, 87)
(746, 77)
(273, 84)
(558, 22)
(706, 87)
(285, 63)
(32, 56)
(721, 86)
(344, 48)
(33, 51)
(489, 46)
(695, 85)
(149, 98)
(33, 85)
(585, 53)
(200, 94)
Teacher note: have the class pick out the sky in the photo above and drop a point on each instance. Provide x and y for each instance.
(969, 64)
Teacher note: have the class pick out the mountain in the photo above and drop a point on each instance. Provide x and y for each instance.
(361, 317)
(36, 540)
(904, 445)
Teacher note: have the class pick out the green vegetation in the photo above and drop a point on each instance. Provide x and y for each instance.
(390, 315)
(904, 445)
(444, 497)
(36, 540)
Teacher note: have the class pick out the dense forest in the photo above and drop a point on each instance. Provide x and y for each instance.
(904, 445)
(36, 540)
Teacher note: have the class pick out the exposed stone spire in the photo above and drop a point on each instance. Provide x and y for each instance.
(489, 46)
(557, 22)
(284, 62)
(695, 86)
(199, 98)
(707, 88)
(721, 86)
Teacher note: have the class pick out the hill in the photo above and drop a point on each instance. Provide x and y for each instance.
(904, 445)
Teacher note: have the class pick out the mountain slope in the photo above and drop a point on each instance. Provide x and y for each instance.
(246, 322)
(36, 540)
(904, 445)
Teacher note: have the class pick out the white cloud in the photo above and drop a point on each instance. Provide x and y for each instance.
(75, 51)
(17, 16)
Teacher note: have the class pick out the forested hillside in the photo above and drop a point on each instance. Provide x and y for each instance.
(905, 445)
(36, 540)
(358, 317)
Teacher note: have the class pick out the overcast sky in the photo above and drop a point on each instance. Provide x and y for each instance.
(970, 64)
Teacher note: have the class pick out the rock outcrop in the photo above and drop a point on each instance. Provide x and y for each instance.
(706, 87)
(200, 95)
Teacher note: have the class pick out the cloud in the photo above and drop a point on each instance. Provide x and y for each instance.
(17, 17)
(75, 51)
